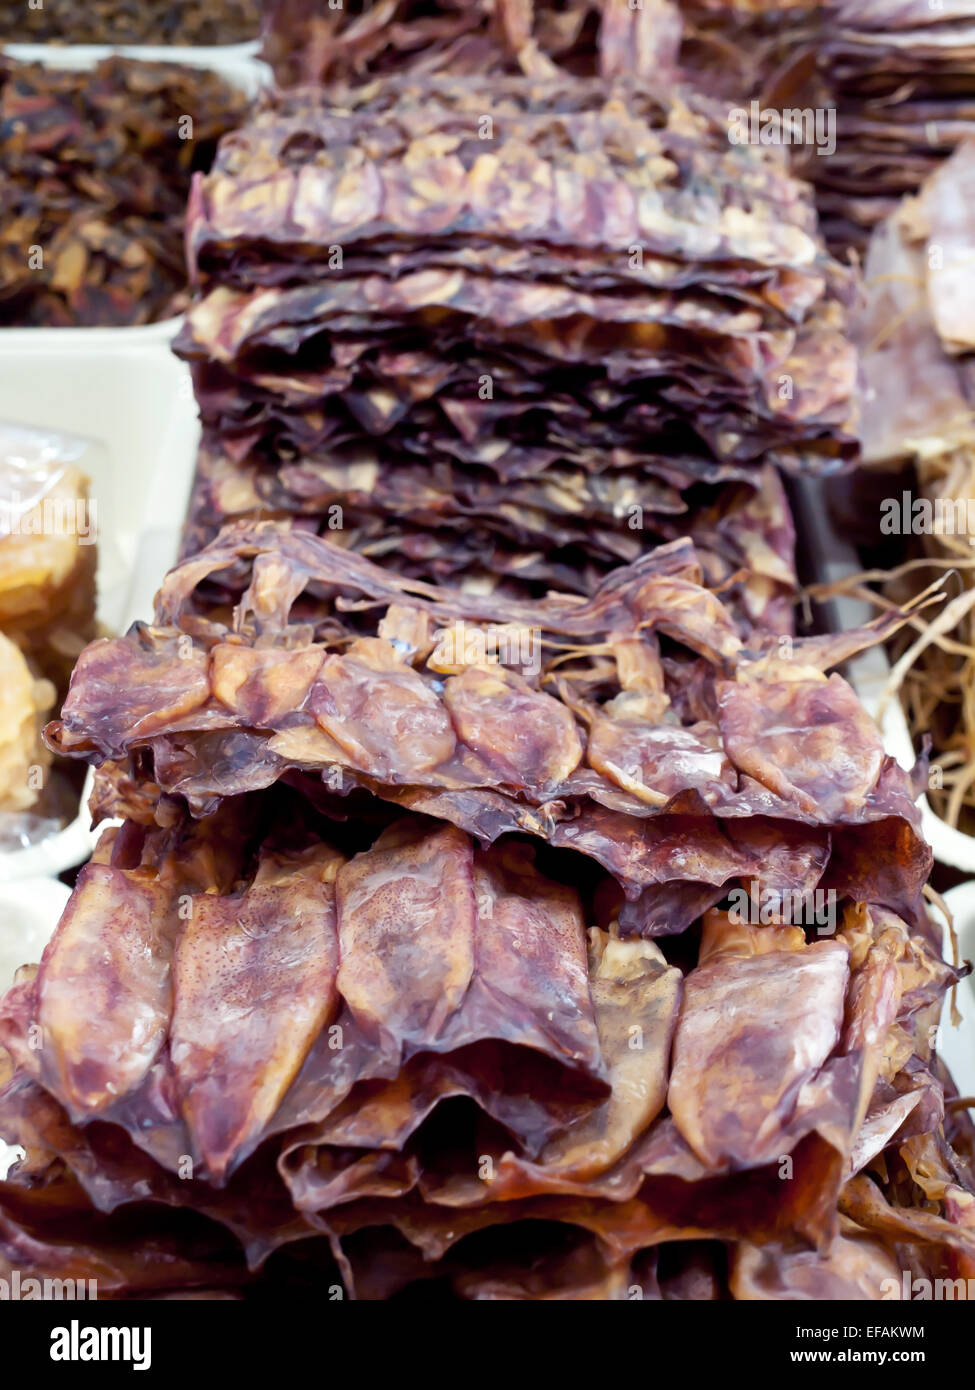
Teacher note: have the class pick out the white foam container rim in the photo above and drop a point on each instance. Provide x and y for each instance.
(835, 559)
(80, 55)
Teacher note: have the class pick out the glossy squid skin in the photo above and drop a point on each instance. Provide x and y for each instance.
(210, 1004)
(697, 768)
(453, 972)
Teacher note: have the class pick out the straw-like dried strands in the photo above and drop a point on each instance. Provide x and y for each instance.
(920, 286)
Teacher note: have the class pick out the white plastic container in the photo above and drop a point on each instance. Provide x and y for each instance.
(956, 1044)
(87, 54)
(225, 57)
(133, 399)
(30, 909)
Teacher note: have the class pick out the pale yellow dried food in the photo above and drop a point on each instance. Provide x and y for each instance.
(48, 559)
(24, 700)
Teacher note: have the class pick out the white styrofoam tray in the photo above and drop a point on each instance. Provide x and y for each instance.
(30, 909)
(833, 560)
(133, 400)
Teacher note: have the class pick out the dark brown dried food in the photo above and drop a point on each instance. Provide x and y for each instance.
(94, 173)
(604, 256)
(561, 529)
(183, 22)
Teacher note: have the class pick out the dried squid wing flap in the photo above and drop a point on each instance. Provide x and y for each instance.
(877, 941)
(262, 685)
(526, 737)
(754, 1029)
(693, 615)
(406, 923)
(787, 857)
(635, 998)
(853, 1267)
(532, 973)
(103, 991)
(810, 741)
(385, 719)
(383, 1115)
(864, 1202)
(126, 689)
(276, 581)
(656, 761)
(254, 983)
(887, 1112)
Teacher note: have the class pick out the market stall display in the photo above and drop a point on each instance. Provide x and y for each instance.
(502, 900)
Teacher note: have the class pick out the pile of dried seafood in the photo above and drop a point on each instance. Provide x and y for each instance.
(531, 915)
(481, 975)
(514, 332)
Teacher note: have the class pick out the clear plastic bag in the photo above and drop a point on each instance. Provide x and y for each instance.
(48, 544)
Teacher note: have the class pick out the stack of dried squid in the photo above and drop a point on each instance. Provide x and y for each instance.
(310, 41)
(414, 970)
(898, 75)
(513, 334)
(901, 74)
